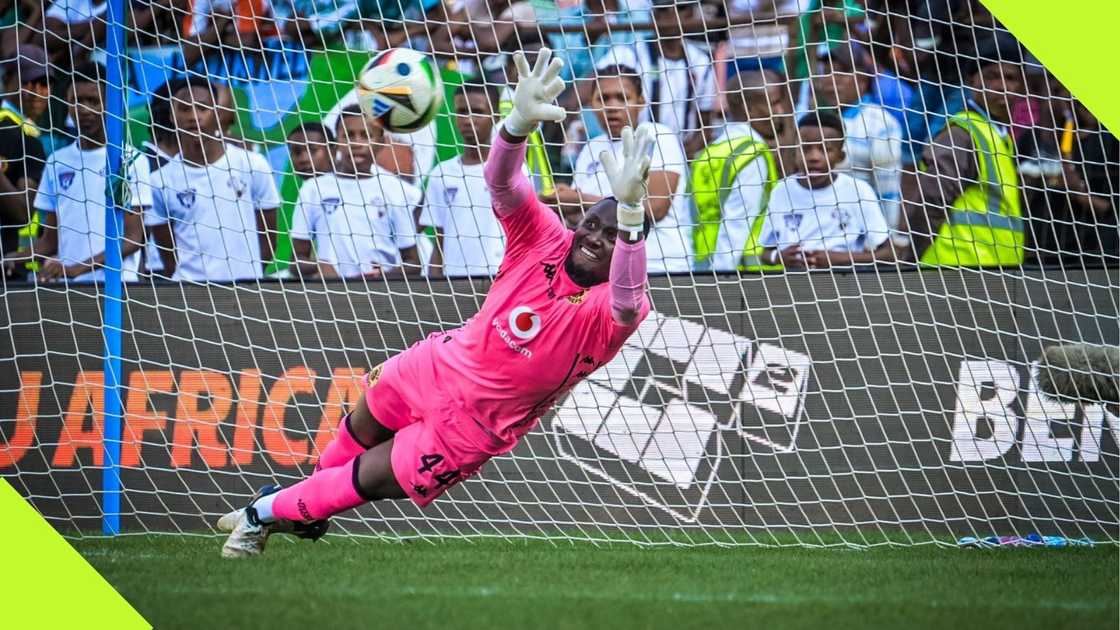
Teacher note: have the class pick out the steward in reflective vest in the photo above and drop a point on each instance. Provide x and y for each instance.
(984, 224)
(713, 175)
(759, 114)
(9, 115)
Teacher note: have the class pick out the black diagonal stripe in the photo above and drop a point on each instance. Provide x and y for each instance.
(400, 99)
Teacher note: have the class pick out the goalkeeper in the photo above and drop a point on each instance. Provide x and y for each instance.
(562, 304)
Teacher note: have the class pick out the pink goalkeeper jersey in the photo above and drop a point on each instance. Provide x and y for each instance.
(536, 336)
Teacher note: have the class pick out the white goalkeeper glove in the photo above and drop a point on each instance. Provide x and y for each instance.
(628, 180)
(535, 95)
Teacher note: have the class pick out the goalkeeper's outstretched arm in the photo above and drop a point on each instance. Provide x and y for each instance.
(533, 102)
(629, 181)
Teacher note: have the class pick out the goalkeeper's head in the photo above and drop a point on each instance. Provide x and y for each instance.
(589, 260)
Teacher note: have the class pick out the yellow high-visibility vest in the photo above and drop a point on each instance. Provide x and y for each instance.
(31, 130)
(985, 223)
(536, 158)
(712, 174)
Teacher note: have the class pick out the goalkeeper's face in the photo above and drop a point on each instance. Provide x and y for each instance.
(589, 261)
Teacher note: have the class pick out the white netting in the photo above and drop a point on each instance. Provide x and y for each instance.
(271, 262)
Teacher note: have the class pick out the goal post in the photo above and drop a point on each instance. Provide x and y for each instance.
(890, 403)
(115, 141)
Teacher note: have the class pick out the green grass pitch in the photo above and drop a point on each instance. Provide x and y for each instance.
(180, 582)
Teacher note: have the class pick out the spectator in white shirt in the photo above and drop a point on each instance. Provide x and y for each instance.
(618, 101)
(821, 217)
(678, 77)
(873, 142)
(214, 204)
(357, 221)
(469, 238)
(71, 195)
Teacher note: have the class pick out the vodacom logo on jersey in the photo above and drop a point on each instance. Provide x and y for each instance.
(524, 323)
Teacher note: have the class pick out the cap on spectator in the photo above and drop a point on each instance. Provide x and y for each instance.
(31, 64)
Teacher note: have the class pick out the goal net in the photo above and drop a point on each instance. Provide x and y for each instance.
(872, 217)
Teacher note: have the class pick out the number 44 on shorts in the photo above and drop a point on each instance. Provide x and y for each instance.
(428, 464)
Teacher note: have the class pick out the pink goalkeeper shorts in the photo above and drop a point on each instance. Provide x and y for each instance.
(436, 444)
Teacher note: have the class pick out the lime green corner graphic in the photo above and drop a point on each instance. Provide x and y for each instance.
(46, 583)
(1076, 41)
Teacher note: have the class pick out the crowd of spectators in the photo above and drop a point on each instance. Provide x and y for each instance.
(791, 134)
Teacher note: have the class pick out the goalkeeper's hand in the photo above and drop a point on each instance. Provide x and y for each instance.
(629, 179)
(535, 95)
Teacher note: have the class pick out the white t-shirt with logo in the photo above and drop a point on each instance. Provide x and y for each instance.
(457, 202)
(73, 187)
(669, 247)
(213, 212)
(844, 217)
(358, 225)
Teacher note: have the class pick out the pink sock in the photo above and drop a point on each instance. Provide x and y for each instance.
(323, 494)
(343, 448)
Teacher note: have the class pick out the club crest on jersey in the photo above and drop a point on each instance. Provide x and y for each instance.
(449, 195)
(524, 323)
(65, 179)
(186, 198)
(330, 204)
(238, 186)
(793, 221)
(578, 298)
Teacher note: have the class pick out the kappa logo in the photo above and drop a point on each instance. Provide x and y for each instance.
(524, 323)
(303, 511)
(662, 420)
(65, 179)
(187, 198)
